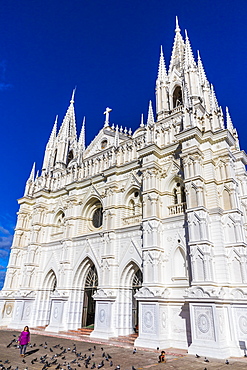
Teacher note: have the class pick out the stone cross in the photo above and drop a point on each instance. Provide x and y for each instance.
(107, 111)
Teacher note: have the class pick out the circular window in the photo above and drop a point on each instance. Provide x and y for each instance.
(98, 217)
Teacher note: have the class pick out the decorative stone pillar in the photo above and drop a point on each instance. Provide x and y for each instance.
(56, 318)
(211, 324)
(23, 312)
(153, 320)
(104, 315)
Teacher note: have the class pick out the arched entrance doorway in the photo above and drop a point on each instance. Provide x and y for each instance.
(136, 285)
(91, 285)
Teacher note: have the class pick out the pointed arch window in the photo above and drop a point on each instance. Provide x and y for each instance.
(226, 199)
(70, 156)
(55, 158)
(177, 97)
(92, 278)
(97, 218)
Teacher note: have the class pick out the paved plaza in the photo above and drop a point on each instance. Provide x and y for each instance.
(50, 351)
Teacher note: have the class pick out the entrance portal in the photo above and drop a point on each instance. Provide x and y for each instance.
(136, 285)
(88, 302)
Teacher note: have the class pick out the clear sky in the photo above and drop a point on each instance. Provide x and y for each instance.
(110, 50)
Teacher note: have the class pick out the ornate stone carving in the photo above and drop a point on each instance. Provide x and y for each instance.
(203, 316)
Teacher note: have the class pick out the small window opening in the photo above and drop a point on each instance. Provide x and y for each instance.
(97, 218)
(70, 156)
(177, 97)
(175, 196)
(55, 157)
(103, 144)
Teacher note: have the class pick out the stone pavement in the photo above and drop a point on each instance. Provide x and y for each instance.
(47, 350)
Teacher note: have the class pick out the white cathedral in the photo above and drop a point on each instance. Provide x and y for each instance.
(140, 231)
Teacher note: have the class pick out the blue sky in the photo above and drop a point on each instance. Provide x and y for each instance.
(110, 50)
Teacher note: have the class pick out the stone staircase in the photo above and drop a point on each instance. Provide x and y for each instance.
(127, 339)
(81, 331)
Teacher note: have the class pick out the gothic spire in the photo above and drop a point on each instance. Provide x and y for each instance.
(82, 144)
(214, 102)
(162, 67)
(177, 50)
(53, 135)
(150, 120)
(229, 124)
(188, 56)
(32, 173)
(202, 74)
(68, 127)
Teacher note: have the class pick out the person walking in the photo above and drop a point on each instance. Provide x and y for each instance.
(24, 339)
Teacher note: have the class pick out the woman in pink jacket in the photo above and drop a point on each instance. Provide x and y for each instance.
(23, 340)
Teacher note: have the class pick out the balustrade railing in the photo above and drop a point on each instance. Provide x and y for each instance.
(176, 209)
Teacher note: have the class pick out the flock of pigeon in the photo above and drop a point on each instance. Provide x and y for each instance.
(207, 360)
(57, 358)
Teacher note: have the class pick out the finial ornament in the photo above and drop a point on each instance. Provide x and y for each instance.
(142, 121)
(107, 111)
(177, 29)
(73, 96)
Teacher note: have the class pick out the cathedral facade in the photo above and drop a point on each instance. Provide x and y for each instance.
(140, 231)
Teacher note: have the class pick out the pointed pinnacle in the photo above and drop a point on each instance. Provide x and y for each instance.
(150, 119)
(189, 57)
(162, 67)
(53, 133)
(177, 49)
(214, 101)
(229, 124)
(116, 139)
(68, 127)
(32, 173)
(142, 121)
(73, 96)
(177, 29)
(82, 135)
(201, 70)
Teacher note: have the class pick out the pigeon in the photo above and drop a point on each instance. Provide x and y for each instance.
(227, 362)
(111, 363)
(206, 360)
(197, 356)
(134, 351)
(133, 368)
